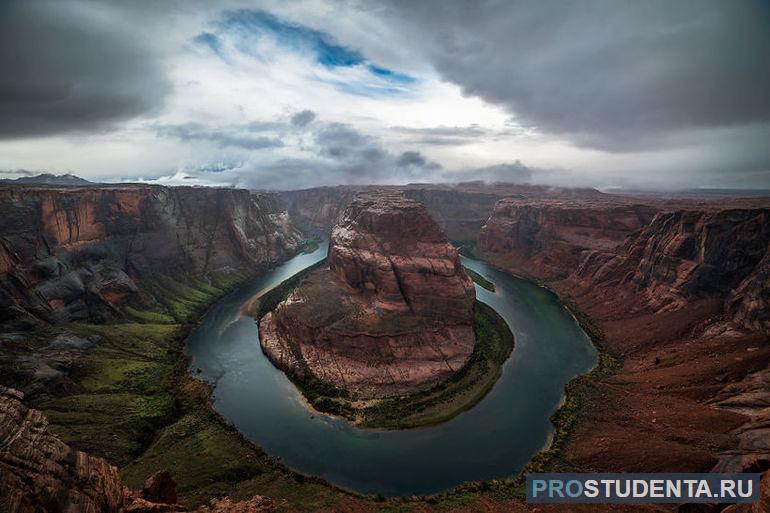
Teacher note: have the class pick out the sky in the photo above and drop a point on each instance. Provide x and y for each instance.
(277, 95)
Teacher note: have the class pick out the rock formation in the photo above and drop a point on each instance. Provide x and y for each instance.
(690, 254)
(39, 473)
(78, 253)
(549, 237)
(680, 290)
(392, 312)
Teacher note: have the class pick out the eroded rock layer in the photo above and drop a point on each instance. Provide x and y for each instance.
(78, 253)
(679, 289)
(391, 313)
(460, 209)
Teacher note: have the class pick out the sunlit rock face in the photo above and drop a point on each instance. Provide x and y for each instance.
(391, 313)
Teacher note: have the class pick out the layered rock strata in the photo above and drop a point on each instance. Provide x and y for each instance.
(682, 297)
(78, 253)
(459, 209)
(391, 313)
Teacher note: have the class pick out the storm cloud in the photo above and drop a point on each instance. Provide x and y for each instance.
(270, 94)
(65, 69)
(616, 75)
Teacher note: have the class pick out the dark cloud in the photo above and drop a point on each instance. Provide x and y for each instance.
(238, 136)
(303, 118)
(364, 155)
(67, 67)
(410, 158)
(340, 154)
(19, 172)
(617, 75)
(415, 159)
(340, 141)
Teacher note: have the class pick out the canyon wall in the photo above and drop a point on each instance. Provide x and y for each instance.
(547, 238)
(318, 208)
(79, 253)
(389, 246)
(686, 255)
(679, 290)
(459, 209)
(664, 258)
(391, 313)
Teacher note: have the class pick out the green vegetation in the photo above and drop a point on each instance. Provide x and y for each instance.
(130, 398)
(494, 343)
(309, 245)
(564, 419)
(480, 280)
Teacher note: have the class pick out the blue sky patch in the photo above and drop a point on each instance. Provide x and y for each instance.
(246, 25)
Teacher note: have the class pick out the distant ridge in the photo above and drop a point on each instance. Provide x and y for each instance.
(47, 179)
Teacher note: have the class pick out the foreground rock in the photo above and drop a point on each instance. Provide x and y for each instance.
(392, 313)
(40, 473)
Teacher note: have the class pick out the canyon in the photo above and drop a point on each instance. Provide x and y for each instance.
(99, 283)
(391, 313)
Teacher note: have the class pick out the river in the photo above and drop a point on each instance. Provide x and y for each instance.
(493, 440)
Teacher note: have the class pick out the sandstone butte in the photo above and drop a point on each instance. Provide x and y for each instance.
(391, 311)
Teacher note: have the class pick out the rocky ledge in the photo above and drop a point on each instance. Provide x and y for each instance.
(390, 313)
(39, 472)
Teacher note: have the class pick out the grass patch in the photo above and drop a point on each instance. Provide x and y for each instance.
(148, 316)
(494, 343)
(552, 459)
(480, 280)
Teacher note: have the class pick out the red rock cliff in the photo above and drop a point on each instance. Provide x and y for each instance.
(682, 297)
(459, 209)
(77, 253)
(693, 254)
(392, 313)
(546, 238)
